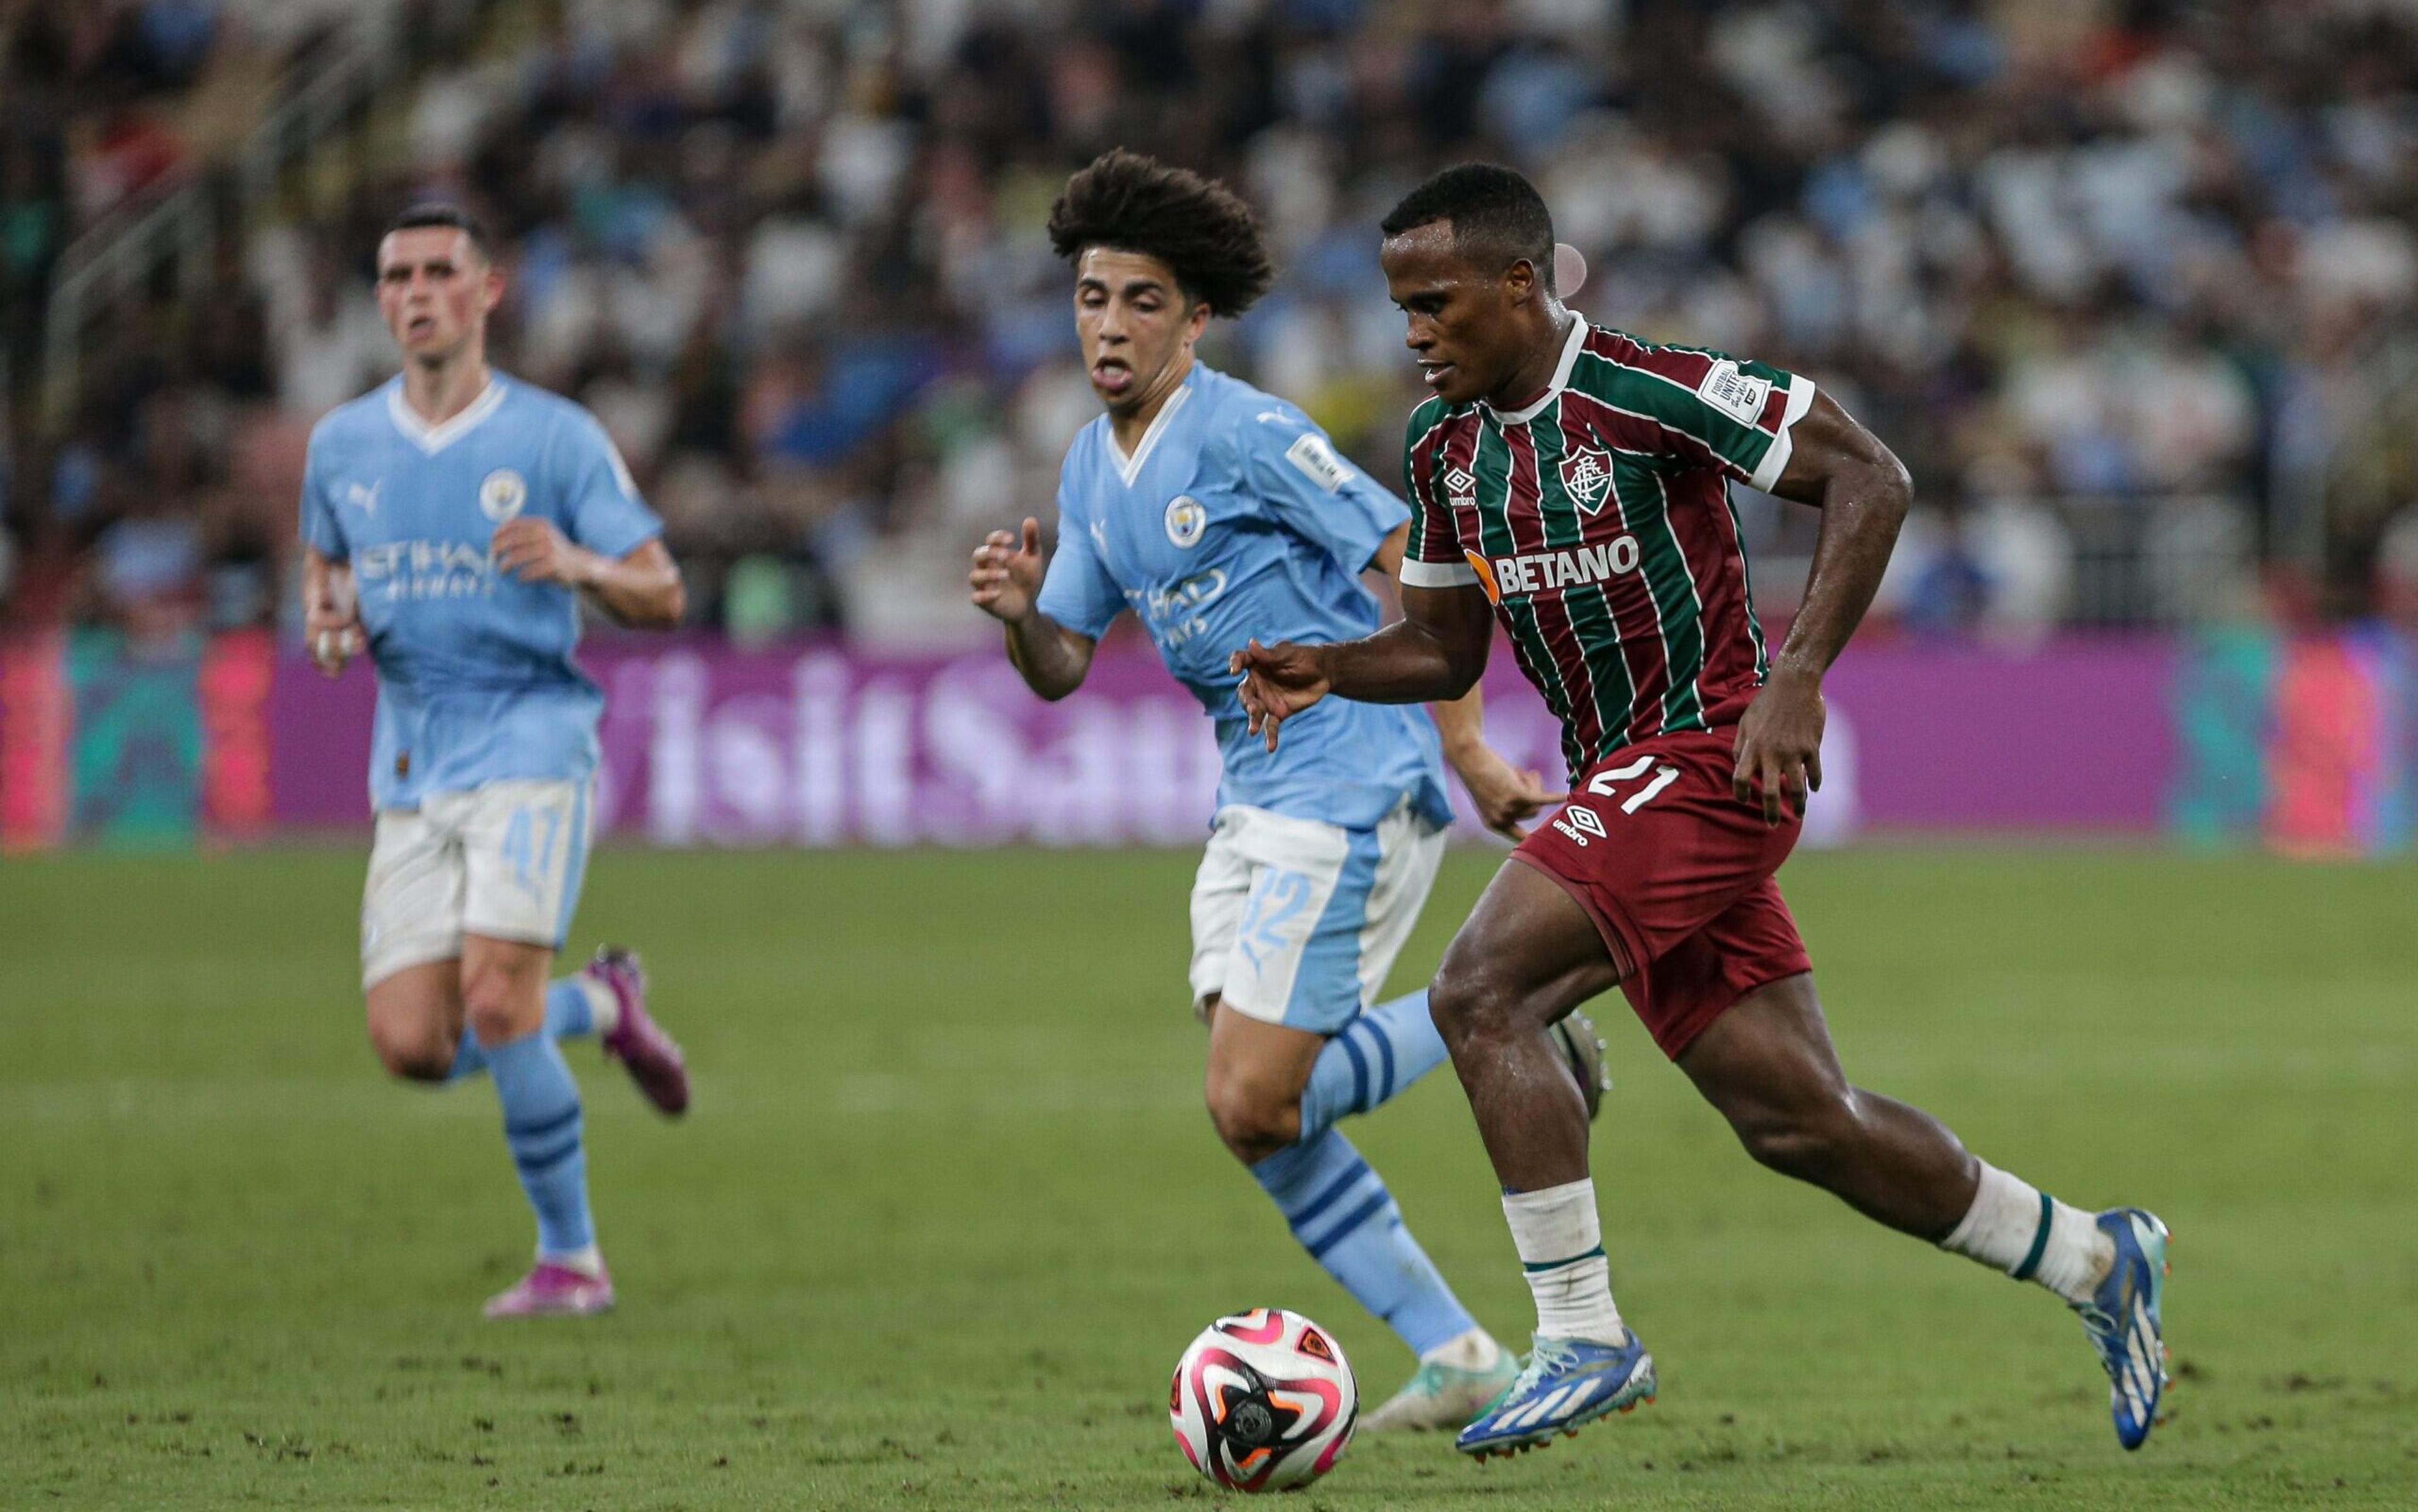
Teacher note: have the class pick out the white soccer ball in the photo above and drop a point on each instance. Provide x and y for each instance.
(1263, 1401)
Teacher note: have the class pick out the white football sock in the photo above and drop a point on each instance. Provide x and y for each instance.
(2014, 1227)
(1473, 1350)
(1561, 1248)
(604, 1005)
(587, 1262)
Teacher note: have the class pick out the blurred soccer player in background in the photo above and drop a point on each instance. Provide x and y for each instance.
(1573, 483)
(451, 520)
(1210, 508)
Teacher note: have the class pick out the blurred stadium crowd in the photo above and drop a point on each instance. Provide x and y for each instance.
(2111, 277)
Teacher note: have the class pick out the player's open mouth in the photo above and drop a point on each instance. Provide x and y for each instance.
(419, 326)
(1110, 374)
(1432, 373)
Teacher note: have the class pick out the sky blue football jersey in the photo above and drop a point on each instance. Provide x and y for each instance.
(1236, 518)
(476, 679)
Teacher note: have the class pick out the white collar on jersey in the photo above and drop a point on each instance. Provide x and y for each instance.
(1571, 350)
(435, 438)
(1129, 468)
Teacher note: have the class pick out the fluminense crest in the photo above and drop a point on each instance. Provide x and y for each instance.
(1586, 474)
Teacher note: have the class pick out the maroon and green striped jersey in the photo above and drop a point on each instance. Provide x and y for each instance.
(1599, 521)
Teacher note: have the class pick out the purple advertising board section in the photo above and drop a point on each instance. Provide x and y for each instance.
(705, 744)
(2078, 736)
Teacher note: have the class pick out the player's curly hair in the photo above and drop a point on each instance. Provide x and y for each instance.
(1195, 225)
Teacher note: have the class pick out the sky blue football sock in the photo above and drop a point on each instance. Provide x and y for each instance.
(568, 1014)
(469, 1057)
(1344, 1216)
(1378, 1054)
(542, 1125)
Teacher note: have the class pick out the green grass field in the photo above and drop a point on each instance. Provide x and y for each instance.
(947, 1207)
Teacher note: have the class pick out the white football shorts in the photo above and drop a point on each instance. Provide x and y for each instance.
(504, 860)
(1298, 923)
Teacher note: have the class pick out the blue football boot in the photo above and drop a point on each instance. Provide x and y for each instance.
(1567, 1382)
(2122, 1319)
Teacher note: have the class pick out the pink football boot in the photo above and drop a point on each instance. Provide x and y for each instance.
(651, 1056)
(553, 1290)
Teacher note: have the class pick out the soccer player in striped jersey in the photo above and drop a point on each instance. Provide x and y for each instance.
(1572, 484)
(1204, 507)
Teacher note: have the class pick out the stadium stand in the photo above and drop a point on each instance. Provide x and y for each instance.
(2129, 285)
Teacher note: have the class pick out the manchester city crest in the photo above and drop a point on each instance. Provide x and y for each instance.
(501, 496)
(1587, 476)
(1185, 521)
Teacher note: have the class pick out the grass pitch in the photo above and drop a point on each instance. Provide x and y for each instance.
(947, 1208)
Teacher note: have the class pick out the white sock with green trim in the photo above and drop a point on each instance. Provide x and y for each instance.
(2015, 1227)
(1561, 1250)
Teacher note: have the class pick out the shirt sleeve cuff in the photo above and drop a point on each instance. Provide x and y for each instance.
(1419, 575)
(1775, 461)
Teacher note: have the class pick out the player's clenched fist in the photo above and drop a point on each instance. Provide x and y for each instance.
(1006, 577)
(331, 621)
(1278, 681)
(535, 551)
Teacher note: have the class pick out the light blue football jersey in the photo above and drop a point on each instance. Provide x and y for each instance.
(1234, 518)
(476, 679)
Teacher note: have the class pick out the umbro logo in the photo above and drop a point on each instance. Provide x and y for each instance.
(1461, 488)
(1578, 823)
(363, 498)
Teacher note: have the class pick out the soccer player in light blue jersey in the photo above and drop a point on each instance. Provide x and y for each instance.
(451, 520)
(1214, 512)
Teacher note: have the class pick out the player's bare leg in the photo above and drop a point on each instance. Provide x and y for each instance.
(1528, 956)
(415, 1020)
(1257, 1072)
(1525, 959)
(1768, 1066)
(1340, 1211)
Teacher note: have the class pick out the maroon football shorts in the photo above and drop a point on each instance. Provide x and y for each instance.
(1677, 874)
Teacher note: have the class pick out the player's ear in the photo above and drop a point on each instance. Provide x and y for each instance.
(1196, 320)
(1518, 281)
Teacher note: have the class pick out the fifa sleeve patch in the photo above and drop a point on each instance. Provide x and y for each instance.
(1738, 395)
(1318, 462)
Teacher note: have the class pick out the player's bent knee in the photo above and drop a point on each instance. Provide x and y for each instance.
(497, 1009)
(503, 995)
(1473, 997)
(1253, 1118)
(1808, 1139)
(412, 1052)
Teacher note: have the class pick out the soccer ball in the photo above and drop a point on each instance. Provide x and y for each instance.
(1263, 1401)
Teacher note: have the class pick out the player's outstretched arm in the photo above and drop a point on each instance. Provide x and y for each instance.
(641, 589)
(1005, 584)
(331, 620)
(1435, 653)
(1506, 796)
(1863, 491)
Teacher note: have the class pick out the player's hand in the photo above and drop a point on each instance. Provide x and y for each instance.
(535, 551)
(1006, 578)
(1506, 797)
(1278, 681)
(331, 624)
(1779, 750)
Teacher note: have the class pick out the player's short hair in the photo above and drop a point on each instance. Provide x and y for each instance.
(446, 214)
(1497, 216)
(1195, 225)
